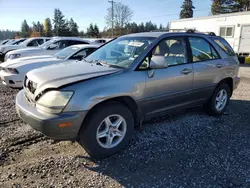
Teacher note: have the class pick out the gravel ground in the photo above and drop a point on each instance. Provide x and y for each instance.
(186, 149)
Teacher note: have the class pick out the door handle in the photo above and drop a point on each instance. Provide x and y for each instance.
(186, 71)
(219, 66)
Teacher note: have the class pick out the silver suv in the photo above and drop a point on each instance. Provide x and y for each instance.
(99, 101)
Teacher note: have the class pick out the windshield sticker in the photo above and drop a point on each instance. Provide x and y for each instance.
(136, 44)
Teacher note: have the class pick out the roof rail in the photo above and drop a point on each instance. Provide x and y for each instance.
(194, 31)
(184, 30)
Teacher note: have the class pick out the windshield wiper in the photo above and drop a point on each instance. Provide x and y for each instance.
(102, 63)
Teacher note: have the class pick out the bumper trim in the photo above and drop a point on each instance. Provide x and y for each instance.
(48, 124)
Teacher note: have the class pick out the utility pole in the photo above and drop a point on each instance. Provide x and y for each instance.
(112, 3)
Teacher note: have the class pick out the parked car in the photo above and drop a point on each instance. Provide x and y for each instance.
(49, 48)
(98, 102)
(10, 42)
(5, 41)
(12, 73)
(24, 43)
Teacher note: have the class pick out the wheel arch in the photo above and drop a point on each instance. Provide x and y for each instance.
(129, 102)
(229, 82)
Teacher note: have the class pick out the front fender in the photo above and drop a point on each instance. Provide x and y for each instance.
(89, 93)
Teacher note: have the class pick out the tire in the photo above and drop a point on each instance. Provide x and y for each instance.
(210, 105)
(88, 132)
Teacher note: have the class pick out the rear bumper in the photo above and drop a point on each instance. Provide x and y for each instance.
(48, 124)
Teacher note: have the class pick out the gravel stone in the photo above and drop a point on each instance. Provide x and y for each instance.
(182, 149)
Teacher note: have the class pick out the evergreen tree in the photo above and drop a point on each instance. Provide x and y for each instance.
(90, 30)
(141, 27)
(25, 29)
(73, 27)
(40, 28)
(47, 28)
(96, 31)
(187, 9)
(229, 6)
(59, 23)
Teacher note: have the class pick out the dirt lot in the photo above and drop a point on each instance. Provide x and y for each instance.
(186, 149)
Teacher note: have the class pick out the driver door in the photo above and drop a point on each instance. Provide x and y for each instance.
(169, 87)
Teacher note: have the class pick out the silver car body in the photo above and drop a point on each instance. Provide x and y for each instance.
(44, 49)
(150, 91)
(26, 64)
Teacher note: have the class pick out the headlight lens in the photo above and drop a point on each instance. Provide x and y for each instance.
(54, 101)
(13, 56)
(2, 49)
(12, 71)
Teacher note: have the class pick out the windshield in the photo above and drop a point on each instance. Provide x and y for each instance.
(25, 42)
(3, 42)
(121, 52)
(47, 44)
(10, 41)
(63, 54)
(19, 41)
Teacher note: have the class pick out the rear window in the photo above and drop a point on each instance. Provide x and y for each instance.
(223, 44)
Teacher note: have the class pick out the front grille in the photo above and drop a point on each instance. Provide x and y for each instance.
(30, 85)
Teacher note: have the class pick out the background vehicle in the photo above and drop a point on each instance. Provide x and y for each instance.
(24, 43)
(13, 72)
(4, 41)
(134, 77)
(49, 48)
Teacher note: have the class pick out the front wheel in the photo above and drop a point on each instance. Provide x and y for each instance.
(217, 104)
(107, 130)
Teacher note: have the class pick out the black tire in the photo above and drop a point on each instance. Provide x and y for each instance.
(210, 105)
(87, 134)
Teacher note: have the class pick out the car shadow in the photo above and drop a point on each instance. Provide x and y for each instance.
(188, 148)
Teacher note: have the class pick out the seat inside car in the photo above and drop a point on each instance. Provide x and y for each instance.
(176, 54)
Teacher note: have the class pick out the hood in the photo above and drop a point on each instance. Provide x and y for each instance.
(12, 47)
(26, 50)
(34, 57)
(31, 62)
(61, 74)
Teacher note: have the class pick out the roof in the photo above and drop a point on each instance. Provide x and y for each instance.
(146, 34)
(214, 16)
(86, 46)
(69, 38)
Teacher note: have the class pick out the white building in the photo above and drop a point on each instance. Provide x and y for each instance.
(234, 27)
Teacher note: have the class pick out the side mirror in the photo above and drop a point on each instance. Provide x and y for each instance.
(158, 62)
(52, 46)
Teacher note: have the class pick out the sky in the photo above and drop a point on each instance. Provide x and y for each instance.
(84, 12)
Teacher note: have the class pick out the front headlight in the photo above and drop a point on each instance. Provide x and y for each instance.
(13, 56)
(2, 49)
(12, 71)
(54, 101)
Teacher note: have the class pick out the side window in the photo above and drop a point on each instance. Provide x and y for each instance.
(40, 41)
(202, 50)
(173, 49)
(225, 46)
(74, 42)
(36, 42)
(47, 40)
(60, 45)
(83, 53)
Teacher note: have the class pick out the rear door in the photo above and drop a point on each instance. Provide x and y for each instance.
(207, 66)
(245, 39)
(169, 87)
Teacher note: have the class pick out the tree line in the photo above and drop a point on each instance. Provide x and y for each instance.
(218, 7)
(122, 16)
